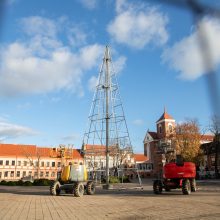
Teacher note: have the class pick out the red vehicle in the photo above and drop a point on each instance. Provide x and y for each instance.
(177, 175)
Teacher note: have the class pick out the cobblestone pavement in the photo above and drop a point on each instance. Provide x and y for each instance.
(36, 203)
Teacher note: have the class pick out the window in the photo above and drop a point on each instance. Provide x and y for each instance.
(59, 164)
(12, 174)
(42, 163)
(25, 163)
(48, 164)
(47, 174)
(160, 129)
(53, 174)
(1, 162)
(53, 164)
(140, 166)
(41, 174)
(24, 173)
(36, 163)
(0, 175)
(6, 174)
(13, 162)
(35, 174)
(170, 128)
(30, 173)
(19, 163)
(7, 162)
(18, 174)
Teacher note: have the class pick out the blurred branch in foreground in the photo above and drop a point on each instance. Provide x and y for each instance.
(199, 11)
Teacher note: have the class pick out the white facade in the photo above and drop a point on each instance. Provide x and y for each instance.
(14, 168)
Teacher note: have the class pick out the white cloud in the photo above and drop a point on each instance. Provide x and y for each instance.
(137, 25)
(138, 122)
(90, 4)
(93, 82)
(119, 64)
(186, 57)
(36, 25)
(9, 131)
(76, 36)
(42, 63)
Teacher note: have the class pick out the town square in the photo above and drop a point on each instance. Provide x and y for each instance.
(109, 109)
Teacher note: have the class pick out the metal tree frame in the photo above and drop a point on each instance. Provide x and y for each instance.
(106, 123)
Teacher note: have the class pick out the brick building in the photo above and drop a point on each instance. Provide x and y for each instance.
(153, 141)
(17, 161)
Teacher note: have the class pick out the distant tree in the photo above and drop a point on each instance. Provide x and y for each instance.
(34, 158)
(214, 126)
(215, 129)
(187, 140)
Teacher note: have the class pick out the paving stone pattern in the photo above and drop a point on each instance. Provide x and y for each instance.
(26, 203)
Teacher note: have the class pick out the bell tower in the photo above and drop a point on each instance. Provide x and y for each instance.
(165, 125)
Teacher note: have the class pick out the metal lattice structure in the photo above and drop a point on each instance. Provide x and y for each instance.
(107, 133)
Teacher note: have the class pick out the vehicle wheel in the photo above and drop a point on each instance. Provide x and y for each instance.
(78, 190)
(90, 188)
(55, 188)
(186, 187)
(157, 186)
(193, 185)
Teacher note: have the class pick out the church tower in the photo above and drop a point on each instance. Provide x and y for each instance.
(165, 125)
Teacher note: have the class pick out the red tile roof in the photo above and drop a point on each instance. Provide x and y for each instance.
(165, 115)
(207, 137)
(17, 150)
(140, 157)
(76, 154)
(32, 150)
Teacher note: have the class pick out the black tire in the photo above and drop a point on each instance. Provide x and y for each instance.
(193, 185)
(55, 188)
(186, 187)
(78, 190)
(90, 188)
(157, 187)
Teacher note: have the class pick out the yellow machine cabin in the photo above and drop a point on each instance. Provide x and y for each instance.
(74, 173)
(73, 180)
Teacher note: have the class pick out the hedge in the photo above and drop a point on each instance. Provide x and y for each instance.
(37, 182)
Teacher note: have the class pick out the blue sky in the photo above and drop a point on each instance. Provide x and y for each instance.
(51, 51)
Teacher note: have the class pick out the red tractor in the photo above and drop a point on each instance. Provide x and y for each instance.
(177, 175)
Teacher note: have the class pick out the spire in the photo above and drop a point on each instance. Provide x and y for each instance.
(165, 115)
